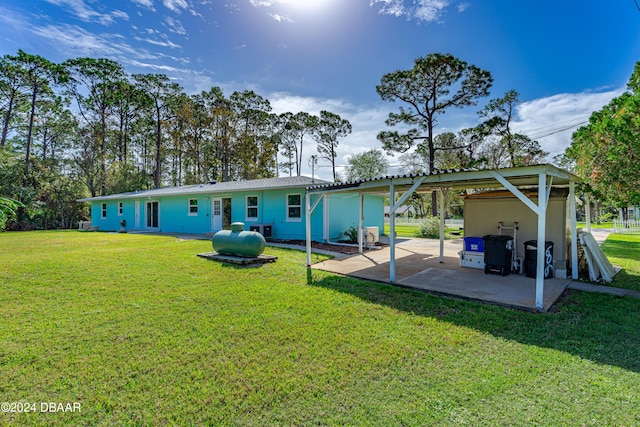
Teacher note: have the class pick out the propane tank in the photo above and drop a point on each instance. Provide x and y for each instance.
(238, 242)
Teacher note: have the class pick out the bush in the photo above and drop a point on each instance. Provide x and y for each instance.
(430, 228)
(352, 234)
(8, 207)
(605, 217)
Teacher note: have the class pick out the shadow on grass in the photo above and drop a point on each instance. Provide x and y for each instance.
(625, 280)
(621, 249)
(597, 327)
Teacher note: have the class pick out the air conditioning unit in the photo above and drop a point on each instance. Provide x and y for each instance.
(265, 229)
(371, 235)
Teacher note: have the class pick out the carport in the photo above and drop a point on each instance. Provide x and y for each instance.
(399, 188)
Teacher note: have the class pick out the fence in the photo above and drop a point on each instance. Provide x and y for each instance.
(449, 223)
(625, 227)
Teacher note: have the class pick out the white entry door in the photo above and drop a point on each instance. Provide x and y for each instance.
(216, 214)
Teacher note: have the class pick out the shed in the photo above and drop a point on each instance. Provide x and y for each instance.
(484, 212)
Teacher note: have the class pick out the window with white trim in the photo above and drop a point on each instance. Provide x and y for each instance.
(103, 210)
(193, 207)
(120, 209)
(294, 207)
(252, 208)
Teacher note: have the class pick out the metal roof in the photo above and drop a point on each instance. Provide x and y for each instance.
(212, 188)
(525, 176)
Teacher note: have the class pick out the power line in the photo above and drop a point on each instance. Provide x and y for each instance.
(544, 135)
(540, 128)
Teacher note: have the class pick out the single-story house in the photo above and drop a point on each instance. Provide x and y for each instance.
(272, 206)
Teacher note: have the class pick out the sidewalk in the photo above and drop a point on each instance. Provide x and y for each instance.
(609, 290)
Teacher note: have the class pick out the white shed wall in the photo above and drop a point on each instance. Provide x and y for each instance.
(483, 215)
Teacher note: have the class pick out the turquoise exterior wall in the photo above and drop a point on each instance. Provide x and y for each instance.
(343, 213)
(272, 209)
(174, 213)
(112, 220)
(175, 218)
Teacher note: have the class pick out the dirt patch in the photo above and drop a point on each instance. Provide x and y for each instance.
(328, 247)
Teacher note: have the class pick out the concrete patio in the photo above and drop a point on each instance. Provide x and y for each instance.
(418, 266)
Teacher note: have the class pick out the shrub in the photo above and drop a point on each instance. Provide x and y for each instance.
(352, 234)
(430, 228)
(606, 217)
(8, 208)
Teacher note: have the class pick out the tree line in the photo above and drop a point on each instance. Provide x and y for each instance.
(86, 127)
(606, 152)
(437, 83)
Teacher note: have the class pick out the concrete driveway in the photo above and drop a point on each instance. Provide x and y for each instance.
(418, 267)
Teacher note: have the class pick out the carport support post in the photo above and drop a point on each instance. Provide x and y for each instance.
(392, 234)
(442, 209)
(574, 230)
(587, 212)
(360, 221)
(307, 208)
(542, 225)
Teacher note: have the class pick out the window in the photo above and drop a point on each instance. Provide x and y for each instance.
(252, 207)
(103, 209)
(294, 207)
(119, 208)
(193, 207)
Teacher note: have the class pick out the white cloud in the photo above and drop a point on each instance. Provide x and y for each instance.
(175, 5)
(120, 14)
(280, 18)
(391, 7)
(165, 43)
(420, 10)
(75, 41)
(145, 3)
(262, 3)
(175, 26)
(430, 10)
(163, 68)
(85, 13)
(463, 6)
(552, 120)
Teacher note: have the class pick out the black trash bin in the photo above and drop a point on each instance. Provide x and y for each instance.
(497, 254)
(531, 258)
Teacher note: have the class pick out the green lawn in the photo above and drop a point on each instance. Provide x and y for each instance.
(403, 230)
(409, 230)
(594, 225)
(623, 250)
(140, 331)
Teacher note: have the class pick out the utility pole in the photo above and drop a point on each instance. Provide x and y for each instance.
(314, 161)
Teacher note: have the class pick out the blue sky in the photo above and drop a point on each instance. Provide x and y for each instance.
(565, 58)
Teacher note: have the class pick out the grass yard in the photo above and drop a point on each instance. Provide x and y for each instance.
(583, 225)
(623, 250)
(403, 230)
(409, 230)
(140, 331)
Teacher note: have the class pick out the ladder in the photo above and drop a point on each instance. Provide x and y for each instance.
(515, 263)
